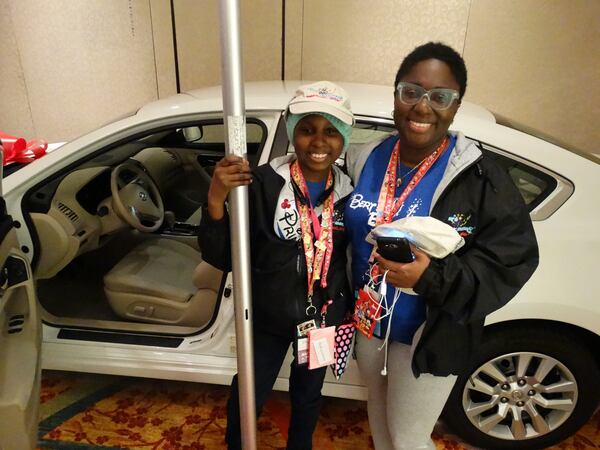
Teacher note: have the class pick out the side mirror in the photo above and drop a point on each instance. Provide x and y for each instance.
(193, 134)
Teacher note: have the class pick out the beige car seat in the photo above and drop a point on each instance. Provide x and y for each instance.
(163, 281)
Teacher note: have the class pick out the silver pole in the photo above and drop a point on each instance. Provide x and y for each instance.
(235, 144)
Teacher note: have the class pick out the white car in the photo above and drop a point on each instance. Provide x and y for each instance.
(107, 259)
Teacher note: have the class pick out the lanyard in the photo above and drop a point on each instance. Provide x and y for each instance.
(317, 261)
(387, 205)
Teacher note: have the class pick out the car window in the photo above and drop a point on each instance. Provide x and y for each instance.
(180, 158)
(542, 190)
(364, 132)
(213, 133)
(533, 184)
(208, 138)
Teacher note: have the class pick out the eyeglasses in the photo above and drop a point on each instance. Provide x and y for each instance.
(439, 98)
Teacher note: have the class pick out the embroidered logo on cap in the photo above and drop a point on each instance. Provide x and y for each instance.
(323, 92)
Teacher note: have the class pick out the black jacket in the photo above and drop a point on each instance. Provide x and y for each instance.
(278, 267)
(478, 198)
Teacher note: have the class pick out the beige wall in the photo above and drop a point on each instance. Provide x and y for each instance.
(76, 60)
(538, 62)
(294, 21)
(198, 41)
(534, 61)
(15, 115)
(70, 66)
(162, 32)
(365, 41)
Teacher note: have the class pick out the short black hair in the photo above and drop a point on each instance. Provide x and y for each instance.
(436, 50)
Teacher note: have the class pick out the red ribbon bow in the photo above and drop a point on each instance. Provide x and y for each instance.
(17, 149)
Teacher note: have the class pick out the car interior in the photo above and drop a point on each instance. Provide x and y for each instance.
(117, 235)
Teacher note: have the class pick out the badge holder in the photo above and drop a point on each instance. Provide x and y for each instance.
(321, 347)
(367, 311)
(301, 341)
(315, 345)
(301, 348)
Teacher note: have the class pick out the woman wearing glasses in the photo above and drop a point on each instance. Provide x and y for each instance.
(411, 363)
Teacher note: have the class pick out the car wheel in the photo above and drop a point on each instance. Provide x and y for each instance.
(530, 388)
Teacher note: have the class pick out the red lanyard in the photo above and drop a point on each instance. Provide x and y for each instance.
(317, 261)
(387, 205)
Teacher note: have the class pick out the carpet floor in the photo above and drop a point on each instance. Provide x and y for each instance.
(85, 411)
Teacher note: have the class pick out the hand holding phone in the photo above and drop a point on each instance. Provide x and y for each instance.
(395, 249)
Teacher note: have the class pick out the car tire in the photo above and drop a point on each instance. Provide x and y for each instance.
(492, 389)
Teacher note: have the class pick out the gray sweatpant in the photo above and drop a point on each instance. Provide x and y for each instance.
(402, 409)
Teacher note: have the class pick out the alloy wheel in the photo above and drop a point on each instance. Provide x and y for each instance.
(520, 396)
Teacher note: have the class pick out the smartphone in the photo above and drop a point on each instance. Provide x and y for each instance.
(395, 249)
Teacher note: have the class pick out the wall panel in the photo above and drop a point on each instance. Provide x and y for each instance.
(83, 63)
(198, 41)
(70, 66)
(164, 54)
(365, 41)
(15, 115)
(538, 62)
(294, 19)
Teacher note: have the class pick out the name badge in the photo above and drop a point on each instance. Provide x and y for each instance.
(321, 347)
(302, 350)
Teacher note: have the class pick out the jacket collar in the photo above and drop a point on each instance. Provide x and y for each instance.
(286, 223)
(342, 186)
(464, 154)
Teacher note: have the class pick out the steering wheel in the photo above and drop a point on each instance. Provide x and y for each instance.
(136, 198)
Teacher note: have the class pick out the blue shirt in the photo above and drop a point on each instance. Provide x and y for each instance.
(315, 189)
(360, 215)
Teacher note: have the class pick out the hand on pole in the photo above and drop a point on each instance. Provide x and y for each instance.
(230, 172)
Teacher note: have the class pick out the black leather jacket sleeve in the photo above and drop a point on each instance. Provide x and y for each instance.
(496, 260)
(213, 239)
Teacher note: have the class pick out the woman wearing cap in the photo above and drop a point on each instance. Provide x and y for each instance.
(425, 170)
(298, 246)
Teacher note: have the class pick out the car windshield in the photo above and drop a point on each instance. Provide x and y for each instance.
(12, 168)
(501, 120)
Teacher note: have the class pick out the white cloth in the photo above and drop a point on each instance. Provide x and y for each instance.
(428, 234)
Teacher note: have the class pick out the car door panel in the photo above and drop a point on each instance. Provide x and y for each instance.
(20, 341)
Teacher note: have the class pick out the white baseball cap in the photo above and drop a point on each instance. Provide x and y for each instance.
(325, 97)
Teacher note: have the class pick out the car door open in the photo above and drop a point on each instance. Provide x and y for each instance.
(20, 341)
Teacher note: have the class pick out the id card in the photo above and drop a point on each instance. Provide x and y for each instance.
(320, 347)
(366, 312)
(301, 350)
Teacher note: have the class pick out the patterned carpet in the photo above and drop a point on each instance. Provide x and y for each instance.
(83, 411)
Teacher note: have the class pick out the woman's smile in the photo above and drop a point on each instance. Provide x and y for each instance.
(318, 157)
(418, 127)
